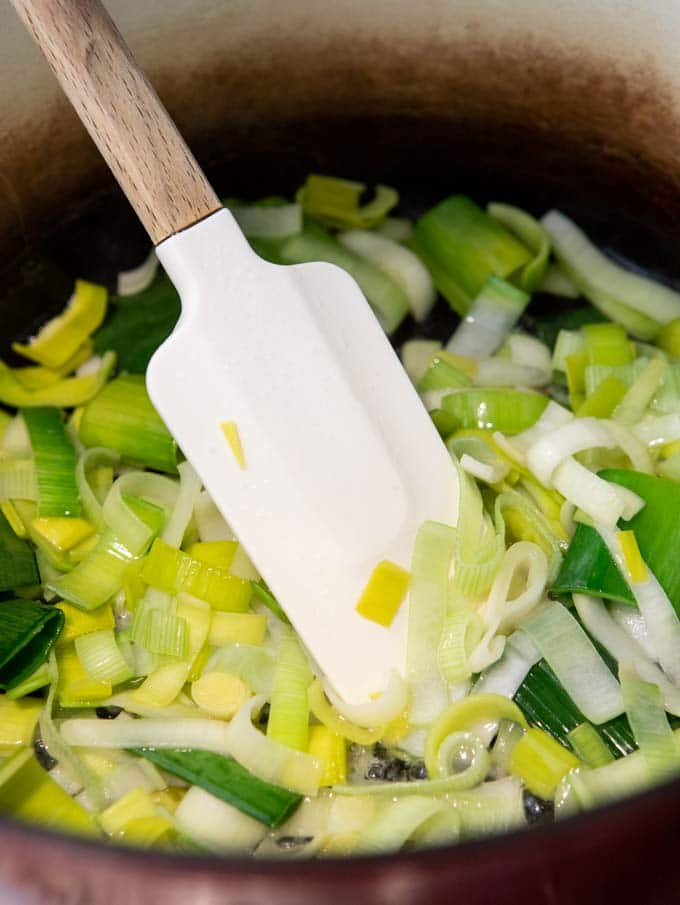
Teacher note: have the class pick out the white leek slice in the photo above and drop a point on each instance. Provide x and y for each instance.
(16, 442)
(268, 222)
(94, 457)
(217, 825)
(663, 625)
(654, 736)
(134, 533)
(507, 674)
(176, 526)
(493, 807)
(388, 706)
(554, 416)
(575, 661)
(518, 587)
(640, 394)
(399, 263)
(239, 739)
(130, 282)
(500, 372)
(544, 456)
(432, 555)
(633, 624)
(640, 304)
(655, 431)
(18, 480)
(394, 823)
(416, 356)
(601, 500)
(556, 282)
(624, 648)
(399, 229)
(209, 520)
(492, 315)
(269, 759)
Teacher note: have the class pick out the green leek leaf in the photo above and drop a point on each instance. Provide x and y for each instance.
(28, 630)
(138, 324)
(469, 246)
(588, 566)
(18, 567)
(547, 705)
(224, 778)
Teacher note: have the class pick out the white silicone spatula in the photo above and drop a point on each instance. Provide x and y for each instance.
(342, 462)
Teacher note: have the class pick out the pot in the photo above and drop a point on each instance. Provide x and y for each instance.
(574, 104)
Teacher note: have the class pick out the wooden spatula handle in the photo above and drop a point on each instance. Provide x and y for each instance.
(122, 113)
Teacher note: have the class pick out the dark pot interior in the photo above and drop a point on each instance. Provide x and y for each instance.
(518, 126)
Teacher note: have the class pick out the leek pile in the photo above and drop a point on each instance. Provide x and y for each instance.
(154, 692)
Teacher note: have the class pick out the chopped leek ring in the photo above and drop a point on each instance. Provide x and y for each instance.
(289, 708)
(237, 628)
(335, 202)
(98, 577)
(541, 762)
(131, 282)
(654, 736)
(75, 687)
(394, 823)
(588, 746)
(122, 417)
(18, 720)
(172, 571)
(433, 553)
(67, 393)
(384, 593)
(55, 463)
(218, 553)
(388, 300)
(219, 694)
(462, 633)
(29, 793)
(101, 657)
(399, 263)
(532, 234)
(492, 315)
(468, 245)
(267, 221)
(61, 337)
(331, 749)
(123, 516)
(80, 622)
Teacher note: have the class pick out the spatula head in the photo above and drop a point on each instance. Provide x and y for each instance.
(341, 460)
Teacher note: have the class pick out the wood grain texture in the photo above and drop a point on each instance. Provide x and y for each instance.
(122, 113)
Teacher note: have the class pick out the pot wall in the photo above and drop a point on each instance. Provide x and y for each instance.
(499, 79)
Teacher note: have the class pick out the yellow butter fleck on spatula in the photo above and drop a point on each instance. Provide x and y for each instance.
(230, 431)
(383, 593)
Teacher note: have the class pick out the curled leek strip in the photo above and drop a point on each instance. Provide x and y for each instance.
(461, 716)
(524, 562)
